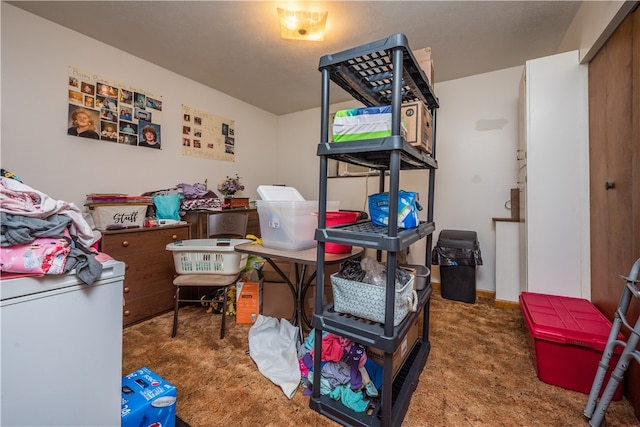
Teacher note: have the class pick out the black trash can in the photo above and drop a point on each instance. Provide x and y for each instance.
(457, 253)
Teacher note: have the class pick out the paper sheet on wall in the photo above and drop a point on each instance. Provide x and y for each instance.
(111, 111)
(207, 136)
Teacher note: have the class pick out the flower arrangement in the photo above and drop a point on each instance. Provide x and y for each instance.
(230, 185)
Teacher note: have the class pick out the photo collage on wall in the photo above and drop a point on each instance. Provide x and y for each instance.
(113, 112)
(207, 136)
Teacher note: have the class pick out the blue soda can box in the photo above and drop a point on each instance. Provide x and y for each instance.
(147, 400)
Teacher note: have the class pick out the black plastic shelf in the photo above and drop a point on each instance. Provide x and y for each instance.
(404, 384)
(375, 153)
(367, 332)
(384, 72)
(366, 72)
(368, 235)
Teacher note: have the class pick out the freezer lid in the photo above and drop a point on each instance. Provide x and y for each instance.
(22, 286)
(565, 320)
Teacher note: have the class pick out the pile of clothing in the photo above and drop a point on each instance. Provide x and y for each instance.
(41, 235)
(173, 203)
(347, 375)
(197, 196)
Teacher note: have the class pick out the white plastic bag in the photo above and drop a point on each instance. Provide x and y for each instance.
(273, 348)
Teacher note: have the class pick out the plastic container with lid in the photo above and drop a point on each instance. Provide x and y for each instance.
(568, 336)
(289, 224)
(339, 218)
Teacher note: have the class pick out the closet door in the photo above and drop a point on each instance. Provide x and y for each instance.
(614, 135)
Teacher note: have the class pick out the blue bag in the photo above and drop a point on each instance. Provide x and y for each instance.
(168, 206)
(408, 208)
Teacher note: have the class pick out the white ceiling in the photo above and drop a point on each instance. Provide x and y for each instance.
(235, 46)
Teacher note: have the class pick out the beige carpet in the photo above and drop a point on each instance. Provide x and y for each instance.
(480, 373)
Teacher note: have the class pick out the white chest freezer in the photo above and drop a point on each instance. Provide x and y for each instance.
(61, 350)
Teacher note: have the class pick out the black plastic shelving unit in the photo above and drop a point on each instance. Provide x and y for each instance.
(369, 74)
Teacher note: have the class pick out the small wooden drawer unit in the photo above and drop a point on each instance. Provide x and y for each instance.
(149, 268)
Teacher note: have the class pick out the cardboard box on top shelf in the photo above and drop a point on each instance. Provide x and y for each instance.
(419, 124)
(423, 56)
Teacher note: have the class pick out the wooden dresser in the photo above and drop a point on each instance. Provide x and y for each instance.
(198, 220)
(149, 268)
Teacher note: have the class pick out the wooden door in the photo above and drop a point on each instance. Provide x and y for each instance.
(614, 134)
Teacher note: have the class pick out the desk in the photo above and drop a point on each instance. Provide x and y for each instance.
(302, 259)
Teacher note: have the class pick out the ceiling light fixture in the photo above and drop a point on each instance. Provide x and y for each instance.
(302, 25)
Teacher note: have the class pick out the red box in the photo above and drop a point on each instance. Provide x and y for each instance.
(569, 336)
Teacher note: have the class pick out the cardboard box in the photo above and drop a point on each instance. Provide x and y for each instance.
(277, 298)
(356, 124)
(515, 203)
(270, 275)
(423, 56)
(248, 302)
(567, 338)
(403, 350)
(147, 399)
(419, 124)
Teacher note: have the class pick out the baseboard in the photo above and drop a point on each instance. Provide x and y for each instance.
(490, 295)
(514, 305)
(481, 293)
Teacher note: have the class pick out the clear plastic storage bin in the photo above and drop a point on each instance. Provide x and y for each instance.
(289, 225)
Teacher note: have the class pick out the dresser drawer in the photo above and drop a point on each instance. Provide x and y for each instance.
(149, 268)
(138, 309)
(152, 240)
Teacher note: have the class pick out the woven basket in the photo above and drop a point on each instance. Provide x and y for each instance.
(368, 301)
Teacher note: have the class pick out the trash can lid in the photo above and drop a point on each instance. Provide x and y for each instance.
(458, 239)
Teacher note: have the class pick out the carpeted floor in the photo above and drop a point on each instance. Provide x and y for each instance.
(480, 373)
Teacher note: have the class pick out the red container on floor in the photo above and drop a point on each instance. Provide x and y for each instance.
(339, 218)
(569, 336)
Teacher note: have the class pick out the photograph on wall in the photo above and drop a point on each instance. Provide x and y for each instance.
(207, 136)
(110, 111)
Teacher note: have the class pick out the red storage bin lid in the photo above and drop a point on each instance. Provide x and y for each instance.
(566, 320)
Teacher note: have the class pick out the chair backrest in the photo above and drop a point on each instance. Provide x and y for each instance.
(228, 224)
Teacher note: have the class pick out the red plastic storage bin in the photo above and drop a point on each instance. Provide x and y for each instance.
(568, 338)
(339, 218)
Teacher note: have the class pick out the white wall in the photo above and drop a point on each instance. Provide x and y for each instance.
(477, 143)
(476, 136)
(594, 22)
(477, 132)
(36, 54)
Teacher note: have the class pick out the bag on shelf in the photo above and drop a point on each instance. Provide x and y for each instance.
(408, 208)
(167, 204)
